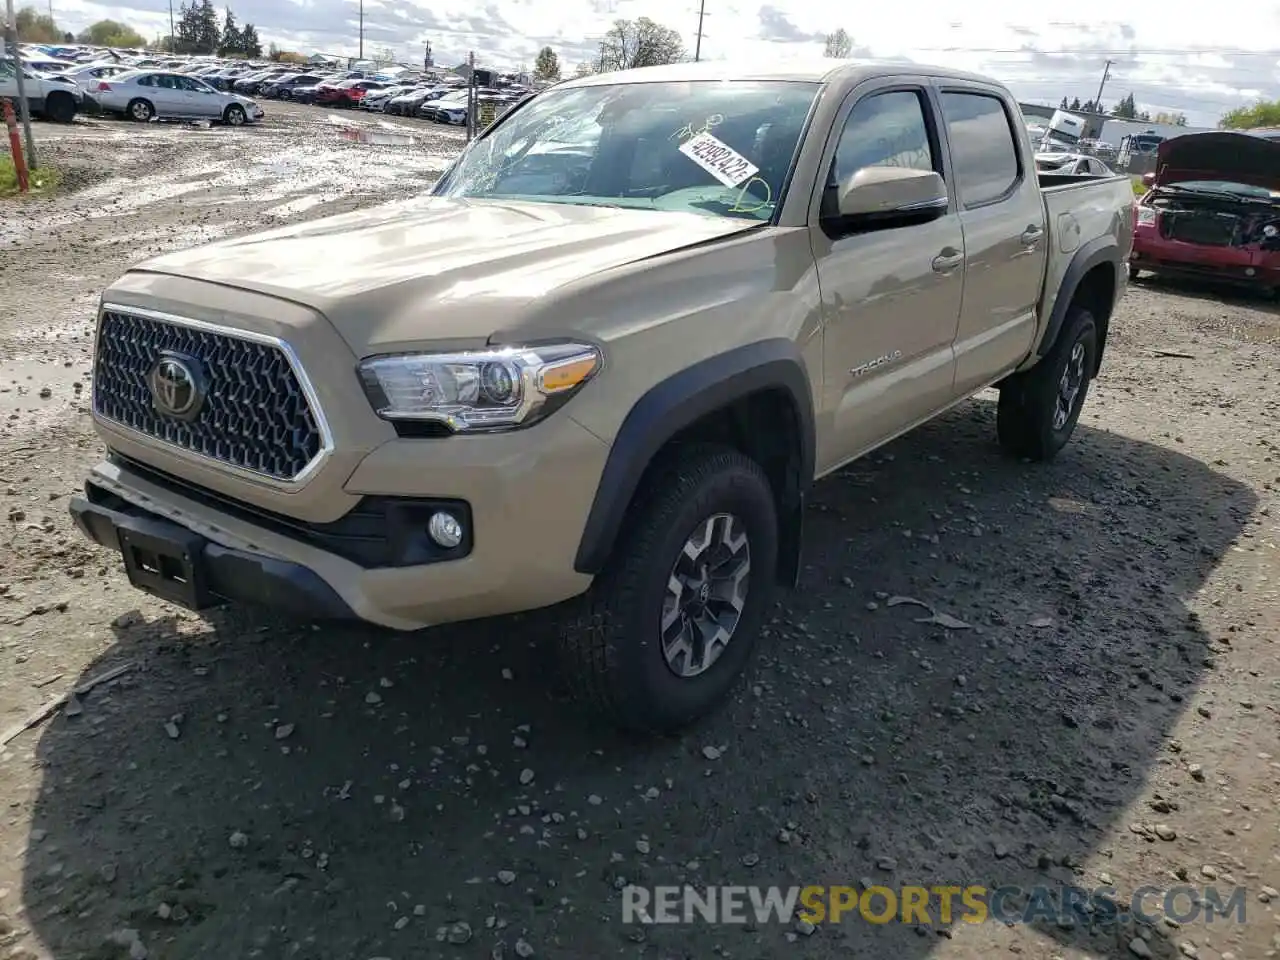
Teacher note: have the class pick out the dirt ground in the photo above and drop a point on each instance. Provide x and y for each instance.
(252, 787)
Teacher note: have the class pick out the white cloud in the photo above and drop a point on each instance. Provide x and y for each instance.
(1193, 58)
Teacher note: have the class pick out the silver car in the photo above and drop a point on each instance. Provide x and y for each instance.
(154, 94)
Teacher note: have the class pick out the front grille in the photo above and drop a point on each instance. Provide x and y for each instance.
(1201, 227)
(255, 415)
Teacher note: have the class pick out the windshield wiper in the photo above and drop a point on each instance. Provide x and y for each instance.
(1218, 194)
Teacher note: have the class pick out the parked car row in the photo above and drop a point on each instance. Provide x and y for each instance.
(63, 80)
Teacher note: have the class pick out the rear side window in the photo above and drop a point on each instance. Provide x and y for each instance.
(983, 150)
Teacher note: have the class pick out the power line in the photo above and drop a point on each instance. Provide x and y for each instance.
(1119, 52)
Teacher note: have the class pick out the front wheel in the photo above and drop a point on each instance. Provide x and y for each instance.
(234, 116)
(1039, 408)
(60, 107)
(671, 622)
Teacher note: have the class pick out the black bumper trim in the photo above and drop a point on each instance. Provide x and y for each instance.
(196, 573)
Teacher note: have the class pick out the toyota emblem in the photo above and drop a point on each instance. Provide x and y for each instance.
(177, 388)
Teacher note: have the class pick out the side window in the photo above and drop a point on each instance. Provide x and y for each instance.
(884, 130)
(166, 82)
(984, 152)
(146, 81)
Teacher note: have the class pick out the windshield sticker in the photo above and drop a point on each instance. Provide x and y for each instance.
(719, 159)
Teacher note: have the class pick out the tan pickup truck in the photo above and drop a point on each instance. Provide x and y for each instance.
(602, 363)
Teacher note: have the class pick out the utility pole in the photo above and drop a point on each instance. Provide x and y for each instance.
(24, 109)
(173, 38)
(1106, 72)
(361, 29)
(697, 48)
(471, 96)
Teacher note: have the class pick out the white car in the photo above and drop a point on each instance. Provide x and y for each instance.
(1079, 164)
(144, 95)
(58, 99)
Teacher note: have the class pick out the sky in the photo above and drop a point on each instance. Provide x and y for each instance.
(1178, 56)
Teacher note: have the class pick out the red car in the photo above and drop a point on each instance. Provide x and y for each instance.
(1212, 211)
(346, 93)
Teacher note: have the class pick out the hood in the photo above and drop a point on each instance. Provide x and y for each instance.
(1235, 157)
(443, 269)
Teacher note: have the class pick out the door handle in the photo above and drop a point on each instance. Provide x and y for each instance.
(1031, 235)
(946, 262)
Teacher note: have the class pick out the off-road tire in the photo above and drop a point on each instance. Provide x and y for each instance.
(610, 644)
(1028, 400)
(140, 110)
(60, 107)
(234, 116)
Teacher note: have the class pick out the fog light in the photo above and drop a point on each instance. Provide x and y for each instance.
(1249, 271)
(445, 529)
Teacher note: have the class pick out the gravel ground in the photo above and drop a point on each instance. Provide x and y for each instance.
(252, 787)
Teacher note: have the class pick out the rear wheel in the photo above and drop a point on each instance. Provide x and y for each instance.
(670, 624)
(141, 110)
(1039, 408)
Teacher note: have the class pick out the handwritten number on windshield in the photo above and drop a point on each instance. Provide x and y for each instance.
(688, 130)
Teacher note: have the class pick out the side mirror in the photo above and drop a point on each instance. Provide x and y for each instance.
(879, 193)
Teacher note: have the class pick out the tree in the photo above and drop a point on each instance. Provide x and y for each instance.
(34, 27)
(1264, 113)
(547, 66)
(1126, 109)
(1176, 119)
(1075, 104)
(839, 45)
(250, 44)
(1063, 105)
(111, 33)
(639, 43)
(232, 40)
(210, 32)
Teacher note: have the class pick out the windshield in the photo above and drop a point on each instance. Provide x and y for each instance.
(710, 147)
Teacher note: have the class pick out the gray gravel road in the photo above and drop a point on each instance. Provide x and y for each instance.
(253, 787)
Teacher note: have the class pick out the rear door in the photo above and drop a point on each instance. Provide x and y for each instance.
(1002, 214)
(891, 296)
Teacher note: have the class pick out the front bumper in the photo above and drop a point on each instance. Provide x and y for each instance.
(1238, 266)
(175, 564)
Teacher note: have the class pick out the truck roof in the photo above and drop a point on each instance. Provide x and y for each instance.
(813, 69)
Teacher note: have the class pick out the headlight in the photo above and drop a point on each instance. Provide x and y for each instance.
(497, 389)
(1146, 217)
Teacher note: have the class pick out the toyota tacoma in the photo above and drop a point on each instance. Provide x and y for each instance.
(602, 363)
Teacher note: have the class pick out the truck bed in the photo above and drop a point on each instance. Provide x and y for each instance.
(1079, 209)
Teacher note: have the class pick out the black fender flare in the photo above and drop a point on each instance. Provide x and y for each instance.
(1099, 250)
(678, 401)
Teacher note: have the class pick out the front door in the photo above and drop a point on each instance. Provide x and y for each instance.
(890, 297)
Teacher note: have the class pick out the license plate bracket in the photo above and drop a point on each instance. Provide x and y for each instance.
(167, 561)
